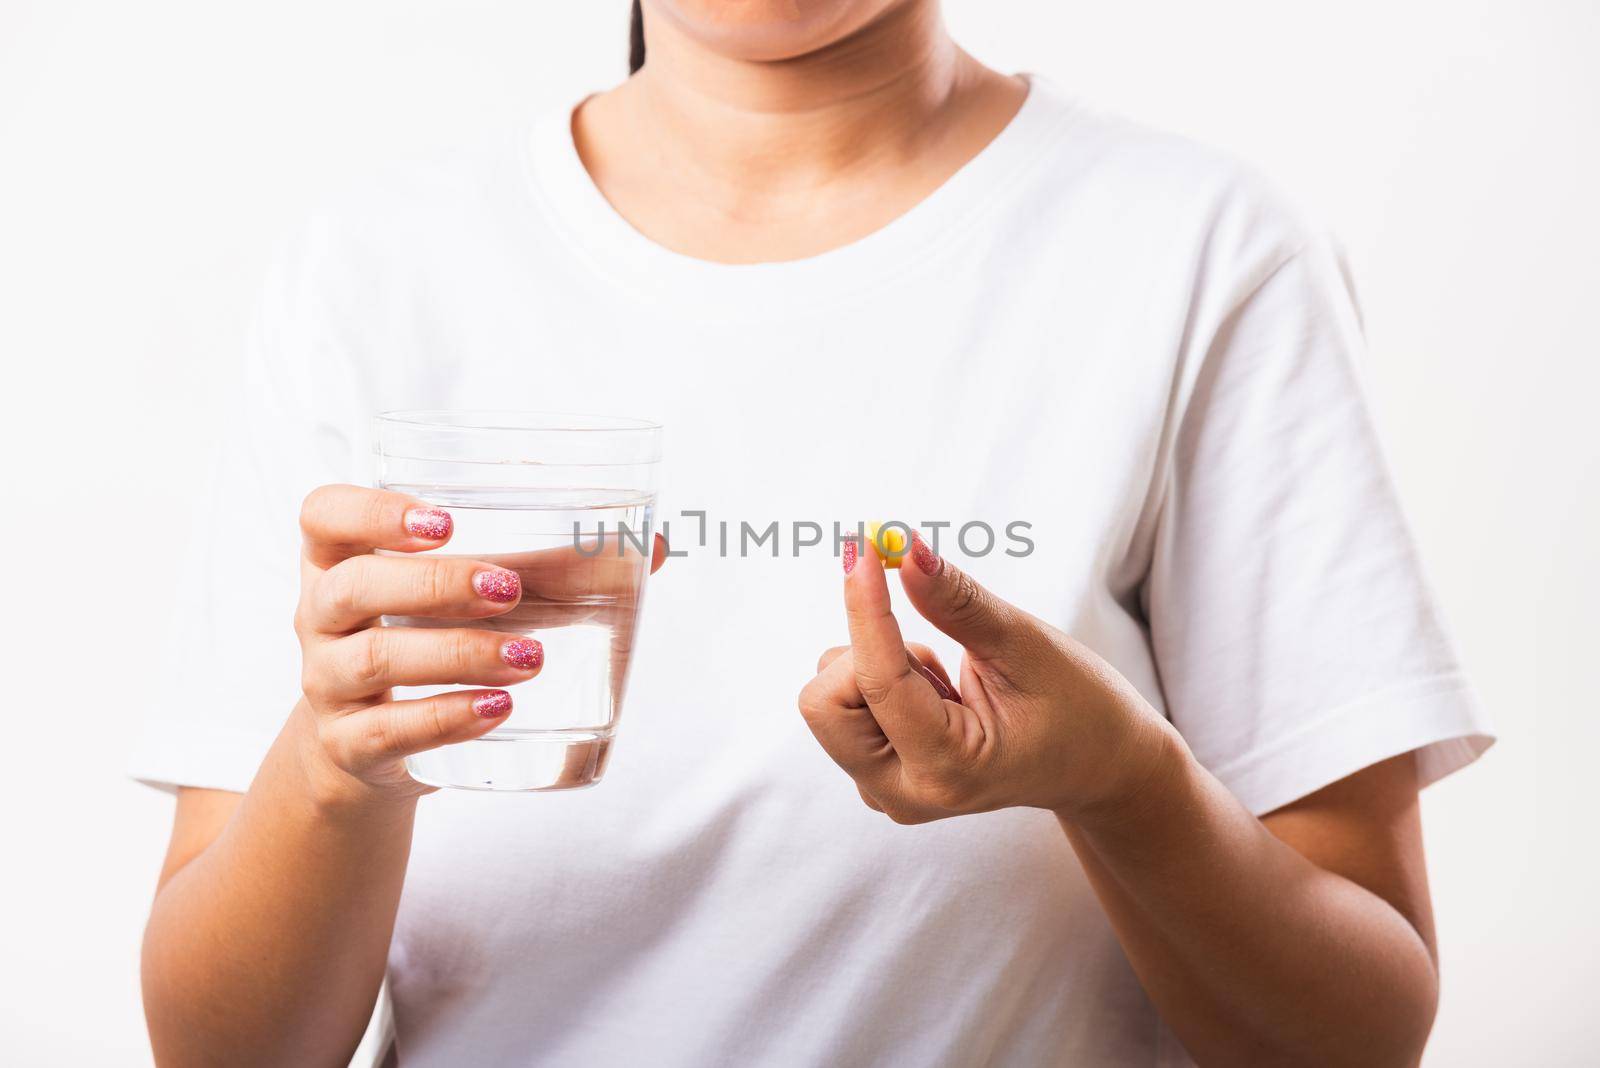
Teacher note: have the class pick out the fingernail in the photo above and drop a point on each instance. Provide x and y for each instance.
(925, 557)
(434, 524)
(849, 552)
(524, 653)
(500, 585)
(932, 676)
(492, 705)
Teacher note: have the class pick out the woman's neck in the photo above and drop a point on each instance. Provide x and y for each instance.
(743, 160)
(801, 121)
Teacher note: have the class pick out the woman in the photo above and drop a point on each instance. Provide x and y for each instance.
(857, 274)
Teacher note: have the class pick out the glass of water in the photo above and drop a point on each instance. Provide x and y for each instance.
(566, 501)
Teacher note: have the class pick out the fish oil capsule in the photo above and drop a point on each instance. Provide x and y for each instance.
(891, 543)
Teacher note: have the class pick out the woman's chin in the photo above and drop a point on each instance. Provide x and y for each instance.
(769, 31)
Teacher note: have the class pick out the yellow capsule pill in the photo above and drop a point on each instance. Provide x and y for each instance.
(891, 543)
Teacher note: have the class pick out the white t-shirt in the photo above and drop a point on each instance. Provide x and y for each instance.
(1119, 338)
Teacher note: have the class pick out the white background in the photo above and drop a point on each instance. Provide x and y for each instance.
(150, 152)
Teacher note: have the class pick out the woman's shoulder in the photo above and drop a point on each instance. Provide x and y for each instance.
(402, 227)
(411, 204)
(1146, 180)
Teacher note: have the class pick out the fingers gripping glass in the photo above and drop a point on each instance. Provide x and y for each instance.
(566, 501)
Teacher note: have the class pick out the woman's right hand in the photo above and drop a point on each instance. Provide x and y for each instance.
(357, 736)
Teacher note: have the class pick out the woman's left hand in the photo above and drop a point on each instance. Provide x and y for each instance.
(1039, 719)
(1258, 940)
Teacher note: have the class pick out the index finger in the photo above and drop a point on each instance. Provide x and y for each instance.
(904, 703)
(339, 522)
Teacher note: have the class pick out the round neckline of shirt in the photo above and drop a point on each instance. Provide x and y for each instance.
(598, 234)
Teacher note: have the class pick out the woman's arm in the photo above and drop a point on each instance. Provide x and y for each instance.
(1302, 939)
(270, 930)
(267, 940)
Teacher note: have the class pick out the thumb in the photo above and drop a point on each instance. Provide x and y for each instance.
(952, 600)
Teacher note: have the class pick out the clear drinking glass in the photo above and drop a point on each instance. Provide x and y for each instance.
(566, 501)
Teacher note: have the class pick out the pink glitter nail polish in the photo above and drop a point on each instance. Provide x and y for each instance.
(849, 553)
(925, 557)
(524, 653)
(500, 586)
(939, 685)
(432, 523)
(492, 705)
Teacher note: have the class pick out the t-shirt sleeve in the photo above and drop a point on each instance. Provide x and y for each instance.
(231, 653)
(1295, 634)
